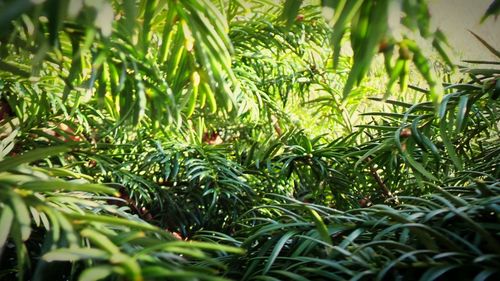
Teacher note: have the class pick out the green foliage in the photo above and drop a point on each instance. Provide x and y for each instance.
(179, 51)
(245, 128)
(412, 146)
(449, 234)
(376, 27)
(67, 220)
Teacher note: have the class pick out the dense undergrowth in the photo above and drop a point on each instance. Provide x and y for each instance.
(225, 142)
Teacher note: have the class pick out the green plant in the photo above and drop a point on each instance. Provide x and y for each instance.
(413, 146)
(128, 127)
(451, 233)
(51, 212)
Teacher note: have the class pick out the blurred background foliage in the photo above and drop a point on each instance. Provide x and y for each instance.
(292, 140)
